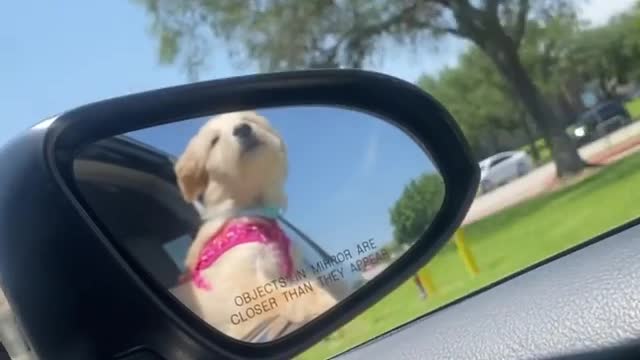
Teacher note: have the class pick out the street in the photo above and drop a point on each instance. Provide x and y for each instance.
(540, 179)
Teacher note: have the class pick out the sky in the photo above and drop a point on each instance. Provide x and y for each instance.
(59, 55)
(62, 54)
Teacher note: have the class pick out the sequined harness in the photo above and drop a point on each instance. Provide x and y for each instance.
(256, 225)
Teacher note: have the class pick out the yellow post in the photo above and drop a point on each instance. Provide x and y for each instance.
(425, 277)
(465, 253)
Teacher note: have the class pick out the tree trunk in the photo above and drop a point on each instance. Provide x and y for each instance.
(571, 92)
(563, 150)
(604, 89)
(530, 137)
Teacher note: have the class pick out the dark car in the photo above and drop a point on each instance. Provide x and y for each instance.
(599, 121)
(635, 94)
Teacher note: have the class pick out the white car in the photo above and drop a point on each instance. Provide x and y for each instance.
(503, 167)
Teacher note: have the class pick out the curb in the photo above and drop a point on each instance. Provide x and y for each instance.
(603, 157)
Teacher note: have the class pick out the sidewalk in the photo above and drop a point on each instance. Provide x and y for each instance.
(605, 157)
(616, 152)
(543, 179)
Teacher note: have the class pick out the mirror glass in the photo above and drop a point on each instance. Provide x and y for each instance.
(260, 221)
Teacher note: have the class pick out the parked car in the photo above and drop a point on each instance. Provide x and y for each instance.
(599, 121)
(632, 95)
(503, 167)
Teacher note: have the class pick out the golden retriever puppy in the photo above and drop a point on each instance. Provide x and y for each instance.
(241, 267)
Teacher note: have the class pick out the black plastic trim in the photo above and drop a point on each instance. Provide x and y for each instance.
(389, 98)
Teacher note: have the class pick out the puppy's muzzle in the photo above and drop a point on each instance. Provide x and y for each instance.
(246, 137)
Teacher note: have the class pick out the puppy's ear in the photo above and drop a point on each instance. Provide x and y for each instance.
(190, 168)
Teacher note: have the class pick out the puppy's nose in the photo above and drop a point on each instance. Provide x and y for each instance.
(242, 131)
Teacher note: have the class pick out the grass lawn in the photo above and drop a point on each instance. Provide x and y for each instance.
(502, 244)
(633, 107)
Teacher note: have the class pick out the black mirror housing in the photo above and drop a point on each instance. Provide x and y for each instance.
(78, 296)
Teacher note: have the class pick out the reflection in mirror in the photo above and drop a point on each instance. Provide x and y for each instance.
(261, 221)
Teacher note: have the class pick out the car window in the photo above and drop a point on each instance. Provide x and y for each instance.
(159, 240)
(150, 238)
(500, 159)
(610, 110)
(524, 104)
(314, 255)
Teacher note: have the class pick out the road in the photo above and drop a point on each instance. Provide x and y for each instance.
(539, 180)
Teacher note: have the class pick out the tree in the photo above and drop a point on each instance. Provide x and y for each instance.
(545, 54)
(479, 99)
(608, 54)
(482, 102)
(286, 34)
(416, 208)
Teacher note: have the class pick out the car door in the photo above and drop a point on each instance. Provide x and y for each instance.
(501, 168)
(132, 189)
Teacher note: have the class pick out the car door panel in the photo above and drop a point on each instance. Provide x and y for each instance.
(501, 169)
(494, 173)
(584, 301)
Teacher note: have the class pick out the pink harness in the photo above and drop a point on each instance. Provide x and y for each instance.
(236, 232)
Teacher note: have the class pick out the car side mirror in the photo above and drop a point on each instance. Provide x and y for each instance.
(241, 218)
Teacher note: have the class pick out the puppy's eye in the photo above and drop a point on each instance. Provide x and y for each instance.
(214, 141)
